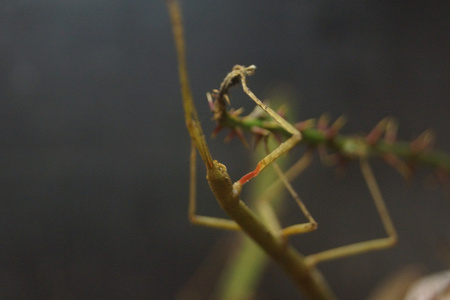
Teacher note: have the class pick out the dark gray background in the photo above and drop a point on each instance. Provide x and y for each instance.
(94, 152)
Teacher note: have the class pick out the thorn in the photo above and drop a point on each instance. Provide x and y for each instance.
(278, 137)
(282, 110)
(261, 131)
(241, 137)
(266, 144)
(236, 132)
(374, 136)
(227, 99)
(229, 136)
(390, 135)
(327, 159)
(214, 94)
(236, 112)
(399, 165)
(305, 124)
(258, 138)
(322, 124)
(423, 142)
(211, 103)
(336, 127)
(259, 134)
(257, 113)
(216, 130)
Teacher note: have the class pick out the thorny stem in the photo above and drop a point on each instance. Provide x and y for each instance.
(347, 147)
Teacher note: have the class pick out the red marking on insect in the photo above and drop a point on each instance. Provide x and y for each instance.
(250, 175)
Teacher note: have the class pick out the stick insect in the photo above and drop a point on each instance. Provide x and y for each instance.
(275, 242)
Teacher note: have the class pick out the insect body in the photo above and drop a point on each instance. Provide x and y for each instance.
(316, 135)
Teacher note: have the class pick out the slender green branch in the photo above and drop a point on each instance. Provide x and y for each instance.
(348, 147)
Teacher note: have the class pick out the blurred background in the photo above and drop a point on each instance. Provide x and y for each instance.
(94, 153)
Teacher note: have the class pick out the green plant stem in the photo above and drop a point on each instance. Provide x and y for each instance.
(348, 146)
(242, 273)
